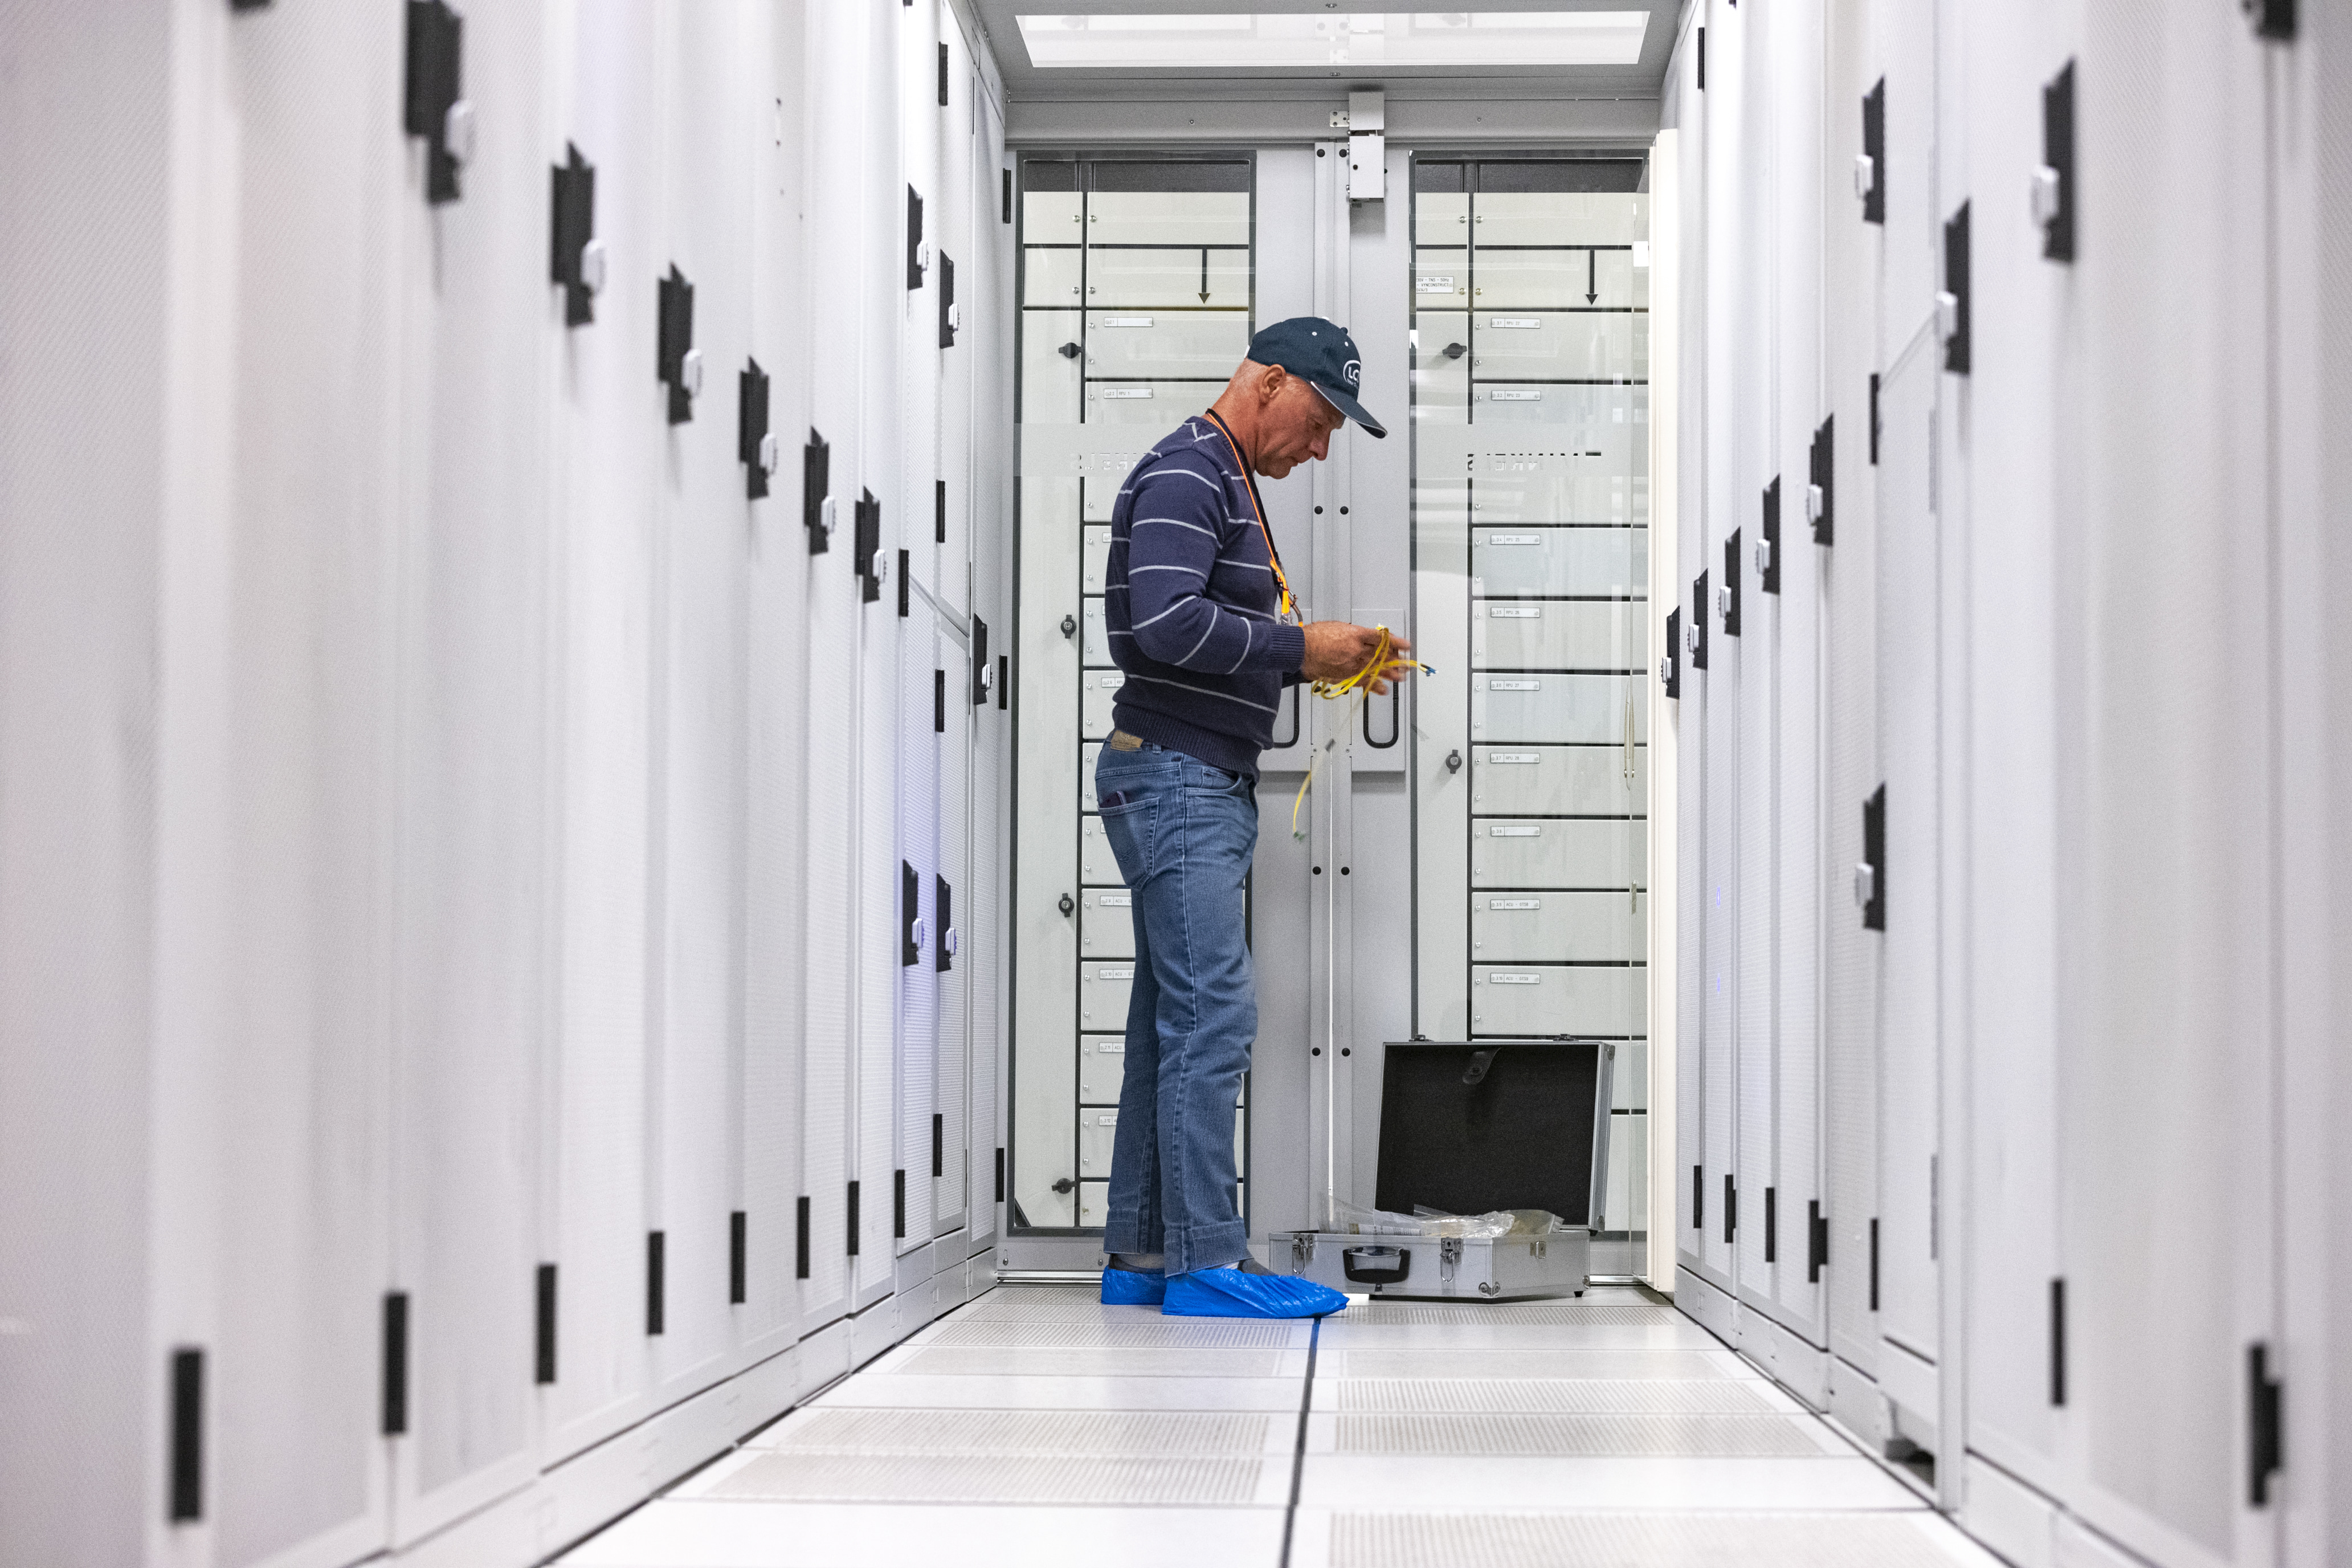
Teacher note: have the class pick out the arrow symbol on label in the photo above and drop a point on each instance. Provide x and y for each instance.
(1204, 275)
(1592, 277)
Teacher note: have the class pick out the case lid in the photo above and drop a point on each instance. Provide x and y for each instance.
(1494, 1124)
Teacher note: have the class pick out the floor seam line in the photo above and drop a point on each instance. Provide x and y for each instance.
(1299, 1450)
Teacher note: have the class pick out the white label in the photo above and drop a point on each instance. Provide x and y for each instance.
(1515, 686)
(1514, 539)
(1516, 979)
(1111, 393)
(1514, 903)
(1514, 757)
(1515, 612)
(1514, 830)
(1109, 973)
(1110, 681)
(1107, 1047)
(1109, 1120)
(1516, 323)
(1122, 320)
(1116, 901)
(1430, 283)
(1518, 395)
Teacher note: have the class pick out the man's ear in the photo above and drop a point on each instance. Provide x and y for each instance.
(1270, 384)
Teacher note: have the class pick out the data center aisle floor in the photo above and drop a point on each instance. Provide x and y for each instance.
(1034, 1427)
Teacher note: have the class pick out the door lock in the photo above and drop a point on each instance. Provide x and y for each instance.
(1067, 907)
(1069, 625)
(1454, 761)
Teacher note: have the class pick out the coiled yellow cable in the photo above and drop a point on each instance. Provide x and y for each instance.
(1358, 685)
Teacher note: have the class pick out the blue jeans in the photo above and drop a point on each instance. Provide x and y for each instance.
(1185, 832)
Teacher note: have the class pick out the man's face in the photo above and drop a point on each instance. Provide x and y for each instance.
(1297, 426)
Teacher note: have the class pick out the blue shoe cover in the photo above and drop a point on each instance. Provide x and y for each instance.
(1230, 1293)
(1132, 1288)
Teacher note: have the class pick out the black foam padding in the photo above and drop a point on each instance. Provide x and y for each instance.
(1520, 1138)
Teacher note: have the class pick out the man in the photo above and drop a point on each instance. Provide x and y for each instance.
(1202, 620)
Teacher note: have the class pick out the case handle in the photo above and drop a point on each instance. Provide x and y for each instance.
(1383, 1264)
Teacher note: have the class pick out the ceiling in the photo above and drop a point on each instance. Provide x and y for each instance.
(1024, 82)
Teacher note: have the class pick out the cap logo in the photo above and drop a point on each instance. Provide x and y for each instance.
(1354, 371)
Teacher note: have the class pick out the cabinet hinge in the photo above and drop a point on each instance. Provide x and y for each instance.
(187, 1489)
(2058, 1342)
(574, 259)
(678, 363)
(1817, 1241)
(1874, 154)
(394, 1410)
(543, 1325)
(2265, 1434)
(433, 105)
(816, 490)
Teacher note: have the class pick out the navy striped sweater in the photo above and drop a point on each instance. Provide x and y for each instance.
(1190, 602)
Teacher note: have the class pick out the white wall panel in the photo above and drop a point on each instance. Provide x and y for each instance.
(1692, 1056)
(472, 575)
(921, 658)
(1792, 621)
(836, 892)
(1847, 578)
(2021, 472)
(885, 309)
(777, 708)
(1908, 878)
(604, 475)
(2310, 329)
(2170, 871)
(301, 891)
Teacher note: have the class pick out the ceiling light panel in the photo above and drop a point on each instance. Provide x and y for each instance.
(1267, 40)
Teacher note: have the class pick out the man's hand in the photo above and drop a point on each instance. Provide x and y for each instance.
(1337, 650)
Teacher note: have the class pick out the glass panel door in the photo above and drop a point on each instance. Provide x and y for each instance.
(1136, 307)
(1531, 415)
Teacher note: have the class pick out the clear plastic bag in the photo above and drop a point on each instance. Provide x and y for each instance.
(1352, 1220)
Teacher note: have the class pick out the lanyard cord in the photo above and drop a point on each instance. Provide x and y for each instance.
(1289, 604)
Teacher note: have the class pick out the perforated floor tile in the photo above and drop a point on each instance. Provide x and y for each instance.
(1577, 1436)
(873, 1535)
(908, 1392)
(1371, 1482)
(1684, 1336)
(1595, 1396)
(1159, 1481)
(1393, 1314)
(1527, 1363)
(1130, 1433)
(1635, 1541)
(1153, 1335)
(950, 1360)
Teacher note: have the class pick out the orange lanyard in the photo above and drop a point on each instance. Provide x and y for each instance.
(1282, 584)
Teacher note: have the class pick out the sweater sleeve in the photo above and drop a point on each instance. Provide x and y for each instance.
(1177, 522)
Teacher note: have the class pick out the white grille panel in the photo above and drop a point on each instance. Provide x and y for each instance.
(1579, 1436)
(1618, 1541)
(998, 1479)
(1094, 1433)
(1598, 1396)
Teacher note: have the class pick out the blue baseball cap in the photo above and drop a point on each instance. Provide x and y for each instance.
(1322, 355)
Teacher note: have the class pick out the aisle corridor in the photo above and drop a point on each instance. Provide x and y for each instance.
(1036, 1426)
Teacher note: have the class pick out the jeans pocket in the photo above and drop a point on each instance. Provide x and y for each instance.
(1127, 824)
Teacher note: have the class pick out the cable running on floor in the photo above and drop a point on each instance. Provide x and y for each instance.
(1298, 1453)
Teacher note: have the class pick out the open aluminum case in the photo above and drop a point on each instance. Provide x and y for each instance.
(1467, 1127)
